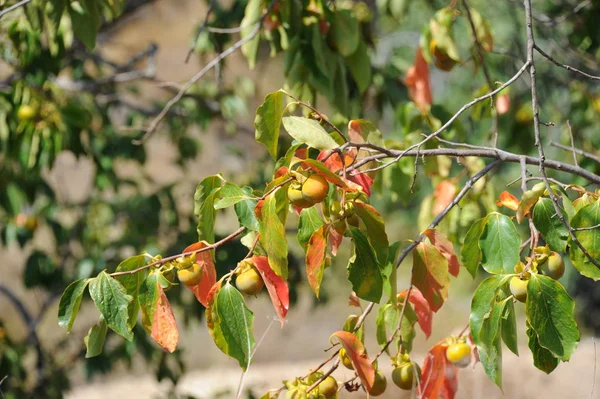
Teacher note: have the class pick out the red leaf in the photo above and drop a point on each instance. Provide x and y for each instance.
(430, 274)
(335, 240)
(277, 286)
(281, 172)
(508, 200)
(363, 180)
(315, 257)
(301, 153)
(422, 308)
(439, 377)
(417, 80)
(444, 194)
(358, 355)
(209, 273)
(164, 327)
(442, 243)
(503, 104)
(334, 161)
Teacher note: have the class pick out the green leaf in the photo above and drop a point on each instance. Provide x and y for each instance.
(587, 216)
(112, 300)
(364, 272)
(568, 206)
(489, 345)
(390, 283)
(548, 223)
(132, 283)
(94, 340)
(148, 298)
(550, 313)
(268, 121)
(86, 16)
(272, 237)
(359, 64)
(481, 302)
(509, 328)
(387, 321)
(470, 253)
(345, 32)
(430, 274)
(375, 230)
(235, 321)
(231, 194)
(309, 132)
(543, 359)
(499, 245)
(308, 223)
(204, 200)
(245, 211)
(252, 16)
(70, 301)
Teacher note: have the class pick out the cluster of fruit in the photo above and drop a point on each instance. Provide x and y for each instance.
(544, 261)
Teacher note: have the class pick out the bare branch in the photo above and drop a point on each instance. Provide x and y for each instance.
(14, 7)
(201, 29)
(576, 150)
(565, 66)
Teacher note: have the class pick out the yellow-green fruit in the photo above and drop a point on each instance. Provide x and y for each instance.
(379, 385)
(190, 276)
(353, 220)
(459, 354)
(315, 188)
(26, 112)
(296, 198)
(518, 288)
(328, 387)
(404, 375)
(553, 267)
(340, 226)
(349, 208)
(346, 359)
(336, 210)
(250, 282)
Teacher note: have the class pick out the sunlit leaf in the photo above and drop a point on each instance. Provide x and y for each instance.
(230, 194)
(277, 287)
(309, 132)
(439, 377)
(308, 223)
(112, 300)
(131, 283)
(358, 355)
(422, 309)
(499, 244)
(508, 200)
(587, 216)
(441, 242)
(548, 223)
(272, 237)
(268, 121)
(70, 301)
(316, 252)
(430, 274)
(209, 272)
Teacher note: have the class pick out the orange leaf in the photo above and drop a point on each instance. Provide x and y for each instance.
(422, 308)
(417, 81)
(363, 180)
(335, 240)
(334, 161)
(439, 376)
(164, 327)
(209, 273)
(430, 274)
(503, 104)
(508, 200)
(277, 286)
(444, 194)
(281, 172)
(446, 248)
(353, 300)
(315, 257)
(358, 355)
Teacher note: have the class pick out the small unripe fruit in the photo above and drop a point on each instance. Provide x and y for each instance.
(379, 385)
(296, 198)
(339, 226)
(518, 288)
(315, 188)
(346, 359)
(353, 220)
(328, 387)
(553, 267)
(190, 276)
(404, 375)
(249, 282)
(349, 208)
(26, 112)
(459, 354)
(336, 210)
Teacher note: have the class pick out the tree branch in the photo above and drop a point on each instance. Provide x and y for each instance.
(14, 7)
(565, 66)
(576, 151)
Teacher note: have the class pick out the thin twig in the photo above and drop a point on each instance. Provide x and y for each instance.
(575, 150)
(565, 66)
(201, 29)
(570, 130)
(14, 7)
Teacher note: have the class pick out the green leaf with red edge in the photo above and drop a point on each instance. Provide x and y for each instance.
(112, 300)
(320, 168)
(209, 272)
(230, 324)
(308, 223)
(277, 287)
(70, 302)
(316, 252)
(164, 327)
(422, 309)
(358, 355)
(441, 242)
(375, 229)
(364, 271)
(439, 377)
(272, 237)
(309, 132)
(430, 274)
(132, 283)
(268, 121)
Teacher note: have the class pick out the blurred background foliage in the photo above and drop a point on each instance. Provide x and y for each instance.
(60, 94)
